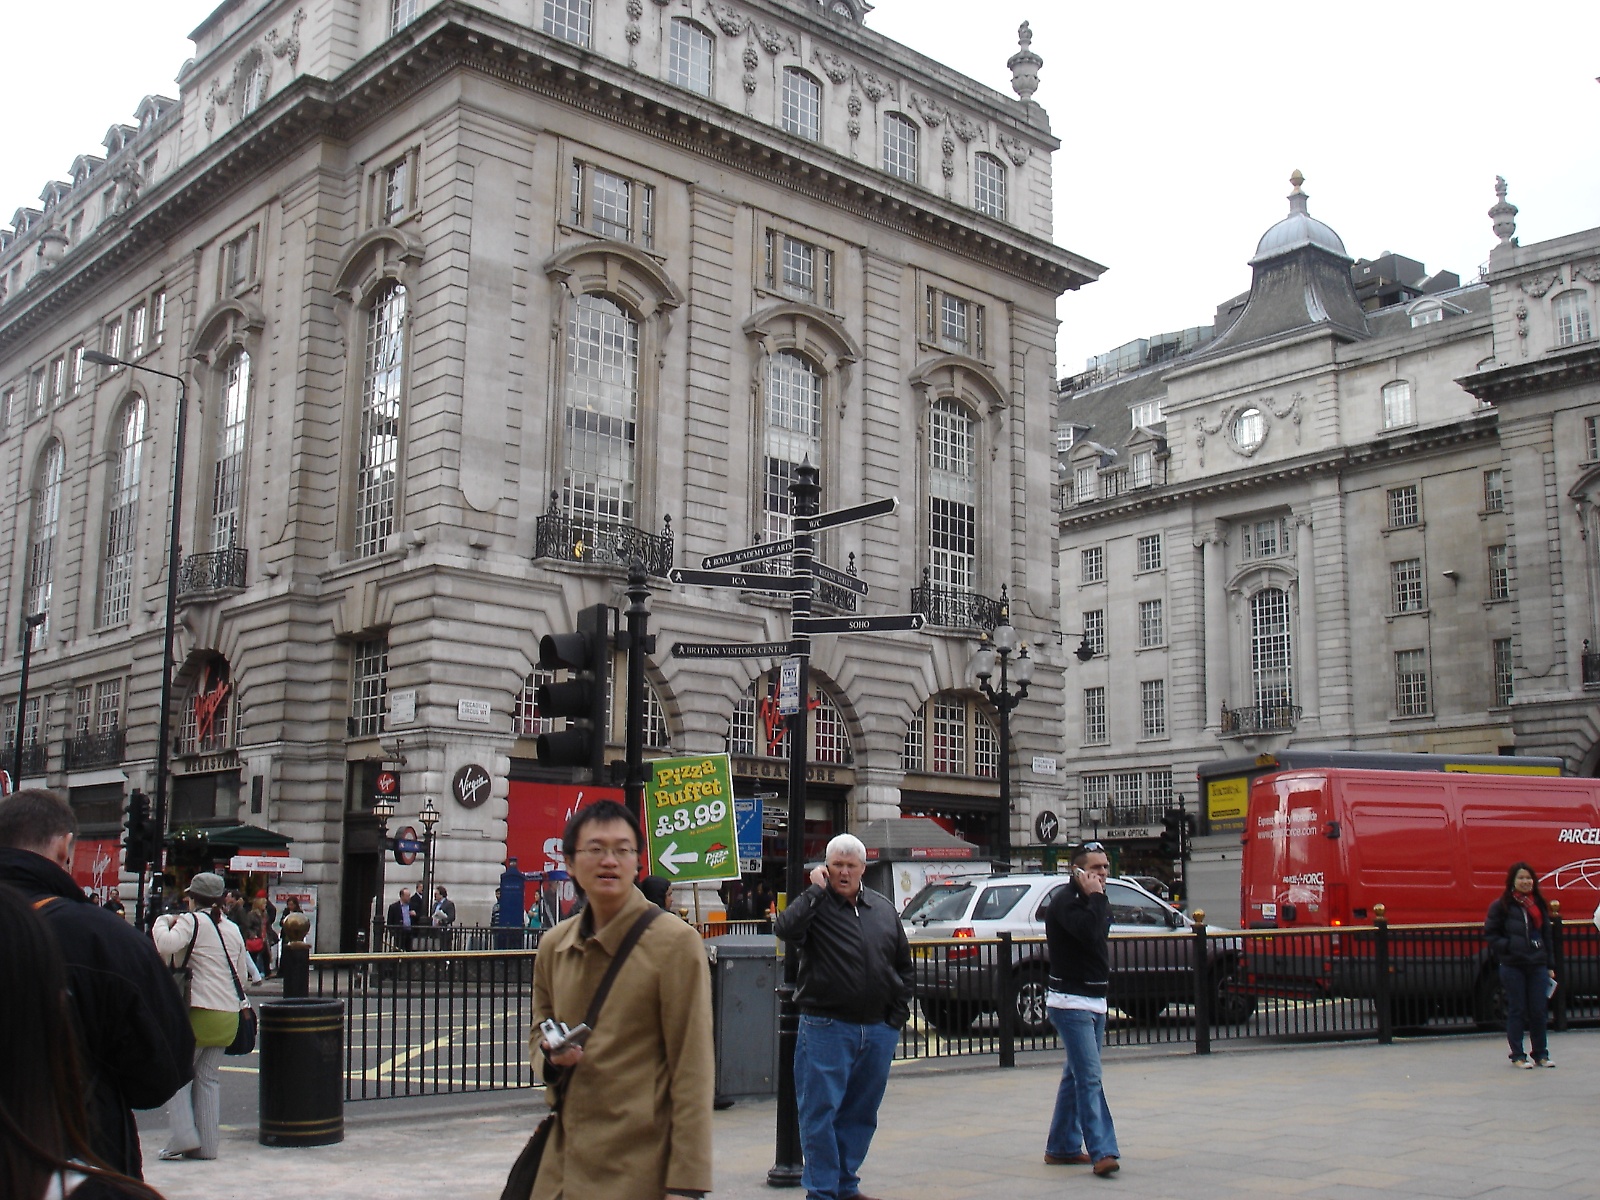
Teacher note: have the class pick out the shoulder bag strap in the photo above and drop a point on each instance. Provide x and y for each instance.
(226, 957)
(624, 948)
(188, 954)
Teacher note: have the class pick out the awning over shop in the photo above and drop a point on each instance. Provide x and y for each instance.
(902, 839)
(246, 837)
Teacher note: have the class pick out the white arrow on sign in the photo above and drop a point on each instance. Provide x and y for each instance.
(670, 858)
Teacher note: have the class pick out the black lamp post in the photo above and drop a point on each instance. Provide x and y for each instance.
(1001, 646)
(30, 623)
(429, 818)
(382, 810)
(174, 562)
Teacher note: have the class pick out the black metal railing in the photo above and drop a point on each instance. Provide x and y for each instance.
(35, 757)
(104, 749)
(1269, 718)
(213, 571)
(827, 593)
(1591, 668)
(570, 538)
(1115, 816)
(457, 939)
(954, 609)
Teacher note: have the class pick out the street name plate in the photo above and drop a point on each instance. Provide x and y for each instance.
(749, 554)
(747, 580)
(838, 578)
(732, 649)
(880, 624)
(849, 516)
(689, 818)
(789, 687)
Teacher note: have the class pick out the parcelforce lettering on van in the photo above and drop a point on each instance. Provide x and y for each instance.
(1582, 837)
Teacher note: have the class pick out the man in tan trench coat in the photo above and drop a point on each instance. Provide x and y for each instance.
(636, 1121)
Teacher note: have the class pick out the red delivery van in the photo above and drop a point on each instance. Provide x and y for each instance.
(1324, 847)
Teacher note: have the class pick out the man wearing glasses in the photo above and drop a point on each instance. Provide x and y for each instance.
(1078, 928)
(854, 995)
(635, 1123)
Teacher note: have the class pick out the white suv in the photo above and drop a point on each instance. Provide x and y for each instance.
(956, 983)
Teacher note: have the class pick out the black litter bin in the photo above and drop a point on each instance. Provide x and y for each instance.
(302, 1073)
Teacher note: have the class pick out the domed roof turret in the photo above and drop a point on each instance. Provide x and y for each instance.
(1298, 229)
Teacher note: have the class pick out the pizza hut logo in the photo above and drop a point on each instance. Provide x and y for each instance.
(716, 854)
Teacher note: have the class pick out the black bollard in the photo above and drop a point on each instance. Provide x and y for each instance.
(302, 1073)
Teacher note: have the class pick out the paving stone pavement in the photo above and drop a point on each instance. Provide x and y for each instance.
(1422, 1118)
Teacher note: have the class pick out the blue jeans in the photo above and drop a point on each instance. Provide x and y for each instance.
(1082, 1120)
(840, 1072)
(1526, 1007)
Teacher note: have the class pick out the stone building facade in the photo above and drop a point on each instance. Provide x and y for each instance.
(473, 303)
(1349, 516)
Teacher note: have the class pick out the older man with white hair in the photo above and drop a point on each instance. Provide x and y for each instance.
(854, 996)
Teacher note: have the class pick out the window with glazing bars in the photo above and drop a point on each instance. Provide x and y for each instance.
(989, 186)
(1094, 715)
(797, 268)
(800, 109)
(602, 411)
(58, 377)
(378, 455)
(1503, 678)
(1405, 586)
(138, 330)
(794, 433)
(1499, 574)
(571, 20)
(900, 146)
(1127, 791)
(1494, 492)
(1150, 552)
(525, 718)
(1091, 565)
(1410, 683)
(401, 14)
(1591, 438)
(227, 474)
(112, 340)
(1096, 791)
(1144, 468)
(952, 496)
(689, 56)
(913, 747)
(1397, 408)
(830, 739)
(1153, 706)
(43, 522)
(1571, 312)
(1152, 623)
(613, 205)
(396, 185)
(369, 691)
(949, 742)
(1084, 484)
(75, 367)
(1262, 539)
(1271, 658)
(1094, 629)
(742, 725)
(985, 747)
(122, 517)
(1403, 509)
(83, 711)
(108, 705)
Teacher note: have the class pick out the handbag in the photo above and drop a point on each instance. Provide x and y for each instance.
(255, 945)
(244, 1038)
(183, 976)
(525, 1171)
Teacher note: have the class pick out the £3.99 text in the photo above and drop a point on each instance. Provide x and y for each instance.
(685, 820)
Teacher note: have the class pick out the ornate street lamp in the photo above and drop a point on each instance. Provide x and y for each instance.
(429, 818)
(382, 810)
(1000, 647)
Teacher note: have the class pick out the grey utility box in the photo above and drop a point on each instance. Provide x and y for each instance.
(744, 1007)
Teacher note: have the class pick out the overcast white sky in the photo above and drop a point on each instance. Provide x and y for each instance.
(1179, 124)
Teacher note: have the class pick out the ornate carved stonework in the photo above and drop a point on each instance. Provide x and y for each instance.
(752, 60)
(1017, 150)
(774, 40)
(1522, 327)
(1503, 214)
(635, 9)
(1589, 271)
(288, 47)
(834, 67)
(853, 105)
(727, 17)
(1290, 413)
(1024, 65)
(875, 88)
(965, 127)
(928, 110)
(1540, 284)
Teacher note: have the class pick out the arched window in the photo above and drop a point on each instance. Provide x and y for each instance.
(801, 110)
(794, 434)
(900, 146)
(383, 377)
(122, 515)
(989, 186)
(757, 729)
(602, 411)
(227, 474)
(689, 56)
(1571, 312)
(253, 83)
(1397, 406)
(1271, 659)
(952, 496)
(951, 735)
(45, 519)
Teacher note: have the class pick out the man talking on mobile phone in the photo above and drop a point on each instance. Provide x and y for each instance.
(1078, 929)
(854, 996)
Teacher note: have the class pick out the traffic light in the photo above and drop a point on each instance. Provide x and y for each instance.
(585, 655)
(1172, 830)
(142, 845)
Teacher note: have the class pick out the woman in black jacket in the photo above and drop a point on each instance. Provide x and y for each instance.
(1518, 929)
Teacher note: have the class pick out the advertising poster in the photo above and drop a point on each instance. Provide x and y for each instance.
(1225, 803)
(306, 893)
(689, 819)
(97, 866)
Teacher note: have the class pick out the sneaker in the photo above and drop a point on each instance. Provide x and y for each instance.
(1524, 1063)
(1543, 1062)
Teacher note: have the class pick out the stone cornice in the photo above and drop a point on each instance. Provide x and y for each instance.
(1567, 369)
(1477, 427)
(454, 36)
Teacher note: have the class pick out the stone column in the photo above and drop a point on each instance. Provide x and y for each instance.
(1307, 664)
(1214, 612)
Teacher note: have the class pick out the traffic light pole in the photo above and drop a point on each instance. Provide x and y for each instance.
(788, 1157)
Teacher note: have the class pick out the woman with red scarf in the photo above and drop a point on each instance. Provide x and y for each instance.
(1517, 928)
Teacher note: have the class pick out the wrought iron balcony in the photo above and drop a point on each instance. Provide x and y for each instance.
(1591, 668)
(35, 757)
(1269, 718)
(213, 571)
(576, 539)
(953, 608)
(96, 749)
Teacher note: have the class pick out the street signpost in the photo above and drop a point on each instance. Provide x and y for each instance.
(750, 581)
(887, 622)
(761, 550)
(747, 814)
(848, 516)
(731, 649)
(838, 578)
(691, 826)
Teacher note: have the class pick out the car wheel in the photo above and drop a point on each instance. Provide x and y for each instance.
(1144, 1010)
(1230, 1006)
(950, 1017)
(1489, 1002)
(1033, 1017)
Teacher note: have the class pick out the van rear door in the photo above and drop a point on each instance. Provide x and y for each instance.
(1289, 856)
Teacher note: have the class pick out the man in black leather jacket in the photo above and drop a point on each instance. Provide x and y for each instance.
(854, 996)
(136, 1045)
